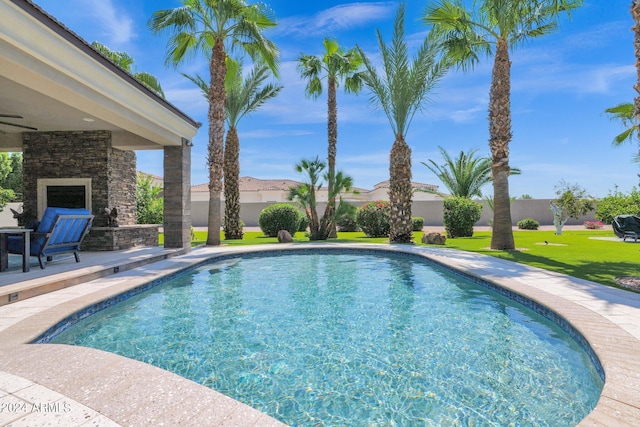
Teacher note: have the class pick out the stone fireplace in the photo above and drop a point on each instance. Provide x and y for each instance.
(83, 169)
(63, 193)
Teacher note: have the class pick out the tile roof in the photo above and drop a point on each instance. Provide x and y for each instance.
(418, 185)
(248, 183)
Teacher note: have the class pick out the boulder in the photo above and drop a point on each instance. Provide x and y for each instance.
(434, 239)
(284, 237)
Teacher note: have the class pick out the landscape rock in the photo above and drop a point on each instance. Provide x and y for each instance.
(434, 239)
(284, 237)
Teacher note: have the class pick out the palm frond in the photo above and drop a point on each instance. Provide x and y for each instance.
(335, 64)
(199, 81)
(625, 136)
(195, 26)
(623, 111)
(626, 114)
(246, 95)
(401, 88)
(151, 82)
(463, 176)
(341, 183)
(464, 37)
(122, 59)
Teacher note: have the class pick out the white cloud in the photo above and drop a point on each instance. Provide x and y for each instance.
(572, 78)
(469, 114)
(96, 20)
(337, 18)
(188, 99)
(598, 36)
(117, 25)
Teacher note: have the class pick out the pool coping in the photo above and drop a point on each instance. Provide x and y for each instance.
(127, 392)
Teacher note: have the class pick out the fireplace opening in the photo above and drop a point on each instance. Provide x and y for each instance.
(66, 196)
(63, 193)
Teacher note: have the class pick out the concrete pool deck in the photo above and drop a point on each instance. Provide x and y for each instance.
(50, 384)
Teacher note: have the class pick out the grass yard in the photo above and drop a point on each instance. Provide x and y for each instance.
(577, 253)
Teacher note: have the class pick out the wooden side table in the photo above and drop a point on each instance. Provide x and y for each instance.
(26, 247)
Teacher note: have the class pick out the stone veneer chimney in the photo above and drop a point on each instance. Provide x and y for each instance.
(81, 155)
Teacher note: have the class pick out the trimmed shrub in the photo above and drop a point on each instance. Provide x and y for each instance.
(347, 223)
(149, 201)
(279, 216)
(618, 203)
(459, 215)
(418, 223)
(373, 218)
(304, 222)
(528, 224)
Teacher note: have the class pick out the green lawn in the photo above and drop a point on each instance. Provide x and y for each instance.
(572, 253)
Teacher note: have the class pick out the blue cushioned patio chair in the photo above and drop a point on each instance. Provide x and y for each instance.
(61, 230)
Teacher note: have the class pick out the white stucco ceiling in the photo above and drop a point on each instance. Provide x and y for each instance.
(55, 81)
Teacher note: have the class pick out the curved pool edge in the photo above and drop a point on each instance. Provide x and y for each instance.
(608, 318)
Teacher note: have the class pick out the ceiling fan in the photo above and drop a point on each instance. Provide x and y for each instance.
(14, 116)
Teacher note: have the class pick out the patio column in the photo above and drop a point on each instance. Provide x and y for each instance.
(177, 196)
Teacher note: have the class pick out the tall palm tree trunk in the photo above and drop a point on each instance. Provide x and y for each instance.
(635, 13)
(314, 224)
(499, 138)
(232, 226)
(218, 70)
(400, 226)
(327, 227)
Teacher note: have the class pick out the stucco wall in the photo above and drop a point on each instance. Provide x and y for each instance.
(430, 210)
(6, 216)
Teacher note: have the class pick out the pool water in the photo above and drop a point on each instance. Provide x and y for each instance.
(318, 339)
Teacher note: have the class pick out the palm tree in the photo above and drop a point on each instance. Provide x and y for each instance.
(624, 112)
(125, 61)
(306, 193)
(209, 27)
(244, 96)
(493, 28)
(400, 91)
(465, 175)
(335, 66)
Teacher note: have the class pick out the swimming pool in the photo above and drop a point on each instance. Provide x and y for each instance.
(319, 339)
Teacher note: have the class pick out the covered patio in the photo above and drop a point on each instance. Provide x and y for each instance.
(78, 119)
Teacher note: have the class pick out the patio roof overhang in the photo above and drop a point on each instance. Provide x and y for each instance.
(55, 81)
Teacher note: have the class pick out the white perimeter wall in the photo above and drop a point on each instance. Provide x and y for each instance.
(6, 216)
(430, 210)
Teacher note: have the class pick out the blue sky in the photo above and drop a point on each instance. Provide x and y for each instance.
(561, 84)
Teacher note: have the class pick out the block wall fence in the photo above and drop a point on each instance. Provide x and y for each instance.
(430, 210)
